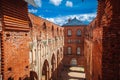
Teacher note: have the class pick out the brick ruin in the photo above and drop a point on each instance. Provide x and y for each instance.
(47, 46)
(103, 61)
(32, 47)
(14, 39)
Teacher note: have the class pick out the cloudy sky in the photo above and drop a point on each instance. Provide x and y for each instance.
(59, 11)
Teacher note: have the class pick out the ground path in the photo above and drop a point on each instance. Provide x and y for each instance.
(73, 73)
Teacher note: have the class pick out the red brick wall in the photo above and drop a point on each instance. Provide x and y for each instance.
(97, 53)
(92, 51)
(16, 54)
(111, 41)
(15, 39)
(74, 45)
(49, 39)
(105, 43)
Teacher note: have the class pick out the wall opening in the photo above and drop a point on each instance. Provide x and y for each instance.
(73, 62)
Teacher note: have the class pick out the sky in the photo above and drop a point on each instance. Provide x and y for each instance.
(59, 11)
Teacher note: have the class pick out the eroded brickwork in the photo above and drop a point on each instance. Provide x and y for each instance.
(92, 51)
(47, 46)
(16, 51)
(111, 41)
(15, 38)
(105, 43)
(74, 41)
(38, 53)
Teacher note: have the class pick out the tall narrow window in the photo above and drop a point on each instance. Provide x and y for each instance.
(78, 50)
(78, 33)
(69, 32)
(52, 30)
(78, 41)
(44, 26)
(69, 50)
(68, 40)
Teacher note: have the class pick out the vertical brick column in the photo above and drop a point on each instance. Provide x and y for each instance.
(111, 41)
(2, 55)
(97, 43)
(100, 11)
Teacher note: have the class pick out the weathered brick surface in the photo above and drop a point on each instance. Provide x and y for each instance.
(74, 45)
(15, 39)
(111, 42)
(47, 50)
(16, 54)
(105, 43)
(92, 51)
(100, 45)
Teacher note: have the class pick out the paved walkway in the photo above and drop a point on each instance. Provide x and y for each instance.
(73, 73)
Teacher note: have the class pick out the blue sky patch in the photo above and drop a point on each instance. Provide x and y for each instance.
(59, 11)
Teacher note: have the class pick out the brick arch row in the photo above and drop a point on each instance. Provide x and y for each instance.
(49, 39)
(53, 71)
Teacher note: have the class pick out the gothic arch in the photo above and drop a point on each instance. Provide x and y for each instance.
(58, 56)
(33, 75)
(57, 31)
(61, 52)
(44, 27)
(53, 62)
(52, 29)
(73, 62)
(45, 71)
(53, 69)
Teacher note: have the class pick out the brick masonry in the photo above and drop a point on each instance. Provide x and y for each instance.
(105, 43)
(100, 43)
(47, 49)
(74, 44)
(16, 51)
(15, 38)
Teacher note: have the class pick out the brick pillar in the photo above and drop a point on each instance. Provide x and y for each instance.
(111, 41)
(2, 55)
(97, 43)
(100, 11)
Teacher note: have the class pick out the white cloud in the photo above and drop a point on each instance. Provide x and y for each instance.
(38, 2)
(57, 20)
(85, 18)
(56, 2)
(69, 4)
(41, 16)
(33, 10)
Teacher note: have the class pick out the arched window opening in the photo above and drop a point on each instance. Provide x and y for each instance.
(44, 26)
(69, 32)
(52, 29)
(10, 78)
(73, 62)
(57, 31)
(69, 50)
(78, 41)
(45, 71)
(78, 50)
(78, 33)
(69, 41)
